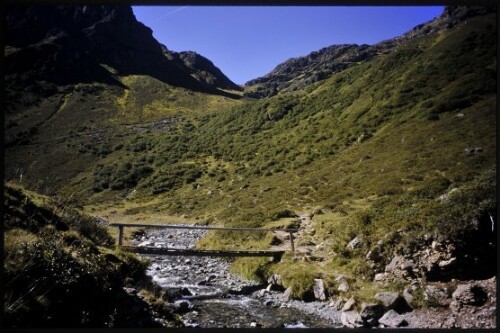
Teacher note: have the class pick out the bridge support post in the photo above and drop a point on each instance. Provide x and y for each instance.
(120, 235)
(291, 242)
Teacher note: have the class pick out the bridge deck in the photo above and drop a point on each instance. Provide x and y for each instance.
(201, 253)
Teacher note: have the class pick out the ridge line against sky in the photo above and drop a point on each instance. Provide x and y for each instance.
(249, 42)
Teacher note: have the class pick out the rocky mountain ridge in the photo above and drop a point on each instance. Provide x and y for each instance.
(75, 44)
(297, 73)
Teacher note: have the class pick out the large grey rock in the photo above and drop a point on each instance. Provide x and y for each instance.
(349, 305)
(392, 319)
(287, 295)
(393, 301)
(351, 319)
(370, 313)
(319, 290)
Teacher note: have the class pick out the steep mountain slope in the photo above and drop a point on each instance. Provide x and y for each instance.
(386, 151)
(297, 73)
(80, 71)
(47, 45)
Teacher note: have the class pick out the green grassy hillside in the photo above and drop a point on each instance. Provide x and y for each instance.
(375, 148)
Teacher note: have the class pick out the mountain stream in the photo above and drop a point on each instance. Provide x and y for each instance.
(211, 297)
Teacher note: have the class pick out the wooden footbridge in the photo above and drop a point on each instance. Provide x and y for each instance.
(276, 254)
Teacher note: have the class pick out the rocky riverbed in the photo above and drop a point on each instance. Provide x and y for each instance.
(207, 295)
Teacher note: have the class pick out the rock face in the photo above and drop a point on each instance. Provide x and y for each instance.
(201, 68)
(296, 73)
(74, 44)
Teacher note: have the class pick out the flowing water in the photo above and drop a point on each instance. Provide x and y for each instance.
(212, 297)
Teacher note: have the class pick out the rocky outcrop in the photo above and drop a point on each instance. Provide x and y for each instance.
(200, 68)
(441, 260)
(79, 44)
(316, 66)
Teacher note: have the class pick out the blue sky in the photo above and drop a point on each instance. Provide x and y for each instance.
(248, 42)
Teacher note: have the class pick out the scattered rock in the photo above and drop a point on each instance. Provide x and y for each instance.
(354, 243)
(287, 294)
(392, 319)
(304, 250)
(262, 293)
(341, 277)
(370, 313)
(130, 291)
(379, 277)
(351, 319)
(336, 305)
(183, 306)
(393, 301)
(434, 293)
(146, 243)
(446, 264)
(343, 287)
(468, 294)
(407, 295)
(319, 290)
(473, 150)
(349, 305)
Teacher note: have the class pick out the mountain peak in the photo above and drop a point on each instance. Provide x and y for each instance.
(70, 44)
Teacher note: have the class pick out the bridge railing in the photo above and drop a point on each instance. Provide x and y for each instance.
(121, 226)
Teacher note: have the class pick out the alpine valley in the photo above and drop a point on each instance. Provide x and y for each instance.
(382, 156)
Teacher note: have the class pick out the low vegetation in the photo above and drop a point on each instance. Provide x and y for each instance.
(61, 268)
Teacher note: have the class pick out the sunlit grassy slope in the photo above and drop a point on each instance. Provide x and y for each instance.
(374, 147)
